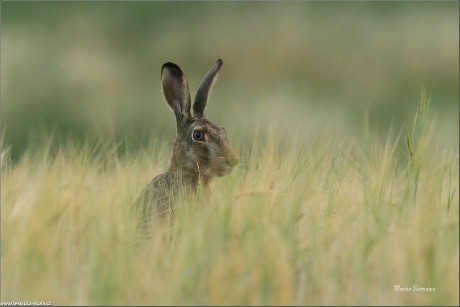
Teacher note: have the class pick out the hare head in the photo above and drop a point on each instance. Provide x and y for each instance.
(201, 149)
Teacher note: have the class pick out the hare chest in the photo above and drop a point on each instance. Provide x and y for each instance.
(159, 196)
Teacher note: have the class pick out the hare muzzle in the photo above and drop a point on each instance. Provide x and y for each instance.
(231, 160)
(225, 164)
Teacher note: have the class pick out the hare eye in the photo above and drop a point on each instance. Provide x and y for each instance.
(198, 135)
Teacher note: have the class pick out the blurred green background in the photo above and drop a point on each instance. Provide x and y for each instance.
(81, 70)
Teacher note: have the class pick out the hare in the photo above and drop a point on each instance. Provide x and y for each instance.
(201, 150)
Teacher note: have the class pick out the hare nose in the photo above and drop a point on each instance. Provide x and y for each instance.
(231, 160)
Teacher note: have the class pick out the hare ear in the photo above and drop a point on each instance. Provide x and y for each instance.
(175, 90)
(202, 96)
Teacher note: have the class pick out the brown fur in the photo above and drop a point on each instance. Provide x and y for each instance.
(193, 162)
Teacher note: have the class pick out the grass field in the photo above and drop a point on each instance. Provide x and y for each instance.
(304, 219)
(318, 58)
(347, 185)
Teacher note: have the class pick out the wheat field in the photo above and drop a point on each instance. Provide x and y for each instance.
(347, 188)
(302, 220)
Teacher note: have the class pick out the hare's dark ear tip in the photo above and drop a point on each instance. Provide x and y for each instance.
(219, 63)
(169, 65)
(172, 68)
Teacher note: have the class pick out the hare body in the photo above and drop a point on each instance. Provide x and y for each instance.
(201, 149)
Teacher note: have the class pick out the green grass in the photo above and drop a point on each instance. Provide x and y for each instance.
(104, 79)
(302, 220)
